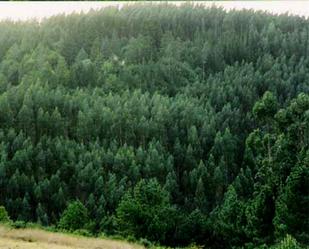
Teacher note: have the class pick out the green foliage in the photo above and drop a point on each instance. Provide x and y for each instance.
(180, 125)
(288, 243)
(4, 217)
(230, 220)
(74, 217)
(193, 228)
(266, 107)
(145, 243)
(292, 212)
(146, 212)
(19, 224)
(82, 232)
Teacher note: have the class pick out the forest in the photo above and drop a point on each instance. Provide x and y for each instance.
(176, 125)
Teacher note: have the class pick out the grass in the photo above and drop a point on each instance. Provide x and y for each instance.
(34, 238)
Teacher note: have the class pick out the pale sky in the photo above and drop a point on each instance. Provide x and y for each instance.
(38, 10)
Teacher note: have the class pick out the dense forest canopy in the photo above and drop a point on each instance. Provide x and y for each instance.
(179, 125)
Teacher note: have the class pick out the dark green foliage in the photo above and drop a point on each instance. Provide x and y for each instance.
(74, 217)
(292, 205)
(288, 243)
(42, 216)
(146, 212)
(178, 125)
(229, 219)
(4, 217)
(19, 224)
(266, 107)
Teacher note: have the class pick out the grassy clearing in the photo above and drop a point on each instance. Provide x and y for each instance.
(33, 238)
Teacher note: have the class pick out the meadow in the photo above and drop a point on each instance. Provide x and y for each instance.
(34, 238)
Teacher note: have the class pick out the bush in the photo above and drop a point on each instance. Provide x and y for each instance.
(288, 243)
(102, 235)
(251, 245)
(146, 243)
(19, 224)
(74, 217)
(194, 246)
(90, 227)
(51, 228)
(131, 238)
(146, 212)
(4, 217)
(83, 232)
(34, 225)
(108, 225)
(116, 237)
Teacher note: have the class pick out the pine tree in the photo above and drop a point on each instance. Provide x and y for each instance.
(42, 217)
(200, 198)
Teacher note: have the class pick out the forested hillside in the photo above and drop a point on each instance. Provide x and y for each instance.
(177, 125)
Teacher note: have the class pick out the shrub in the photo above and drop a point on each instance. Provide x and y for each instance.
(102, 235)
(74, 217)
(51, 228)
(4, 217)
(146, 212)
(288, 243)
(146, 243)
(33, 225)
(83, 232)
(19, 224)
(131, 238)
(117, 237)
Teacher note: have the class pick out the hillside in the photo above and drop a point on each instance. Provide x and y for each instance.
(39, 239)
(176, 125)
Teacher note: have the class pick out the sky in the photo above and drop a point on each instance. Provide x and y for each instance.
(38, 10)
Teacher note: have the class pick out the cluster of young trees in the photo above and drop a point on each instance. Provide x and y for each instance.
(175, 124)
